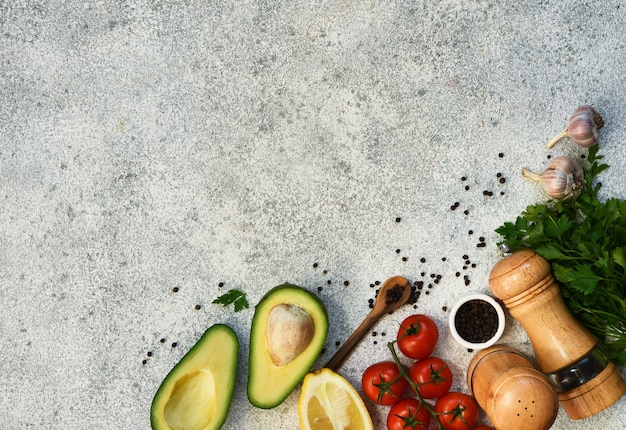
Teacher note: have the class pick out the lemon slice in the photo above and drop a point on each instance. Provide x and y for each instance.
(329, 402)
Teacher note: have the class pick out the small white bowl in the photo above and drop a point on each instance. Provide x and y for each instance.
(484, 298)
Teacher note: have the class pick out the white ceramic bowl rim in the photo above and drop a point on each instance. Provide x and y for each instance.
(499, 312)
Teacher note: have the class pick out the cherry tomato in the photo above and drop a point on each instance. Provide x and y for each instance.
(483, 427)
(417, 336)
(459, 411)
(432, 376)
(383, 384)
(408, 415)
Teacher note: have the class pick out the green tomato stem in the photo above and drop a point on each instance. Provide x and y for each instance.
(414, 386)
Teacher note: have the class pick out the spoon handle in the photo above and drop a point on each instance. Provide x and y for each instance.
(344, 351)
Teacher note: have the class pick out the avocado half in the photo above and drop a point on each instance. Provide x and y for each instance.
(275, 371)
(197, 392)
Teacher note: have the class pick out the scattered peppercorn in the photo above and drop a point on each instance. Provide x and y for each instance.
(174, 344)
(198, 307)
(162, 340)
(149, 354)
(221, 284)
(346, 283)
(398, 219)
(175, 289)
(501, 155)
(315, 265)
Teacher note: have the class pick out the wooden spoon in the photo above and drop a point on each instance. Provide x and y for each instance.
(381, 307)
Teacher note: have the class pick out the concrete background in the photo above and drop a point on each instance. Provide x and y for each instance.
(153, 145)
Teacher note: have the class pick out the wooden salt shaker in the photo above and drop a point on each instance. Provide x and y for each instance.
(511, 391)
(586, 382)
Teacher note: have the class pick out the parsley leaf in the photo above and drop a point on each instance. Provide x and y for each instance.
(585, 242)
(233, 296)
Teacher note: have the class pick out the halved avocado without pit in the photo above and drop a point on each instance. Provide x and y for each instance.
(288, 332)
(197, 392)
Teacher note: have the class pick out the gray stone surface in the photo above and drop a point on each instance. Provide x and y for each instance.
(148, 145)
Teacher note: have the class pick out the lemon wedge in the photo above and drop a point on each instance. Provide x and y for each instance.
(329, 402)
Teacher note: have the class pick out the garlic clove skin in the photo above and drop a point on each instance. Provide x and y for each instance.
(583, 127)
(562, 179)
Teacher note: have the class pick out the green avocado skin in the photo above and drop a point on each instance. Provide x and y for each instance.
(269, 385)
(216, 353)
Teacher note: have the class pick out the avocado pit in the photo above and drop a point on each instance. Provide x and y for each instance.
(290, 330)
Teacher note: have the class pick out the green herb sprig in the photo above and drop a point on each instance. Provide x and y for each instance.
(585, 242)
(236, 297)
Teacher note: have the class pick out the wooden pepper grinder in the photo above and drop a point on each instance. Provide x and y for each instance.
(511, 391)
(586, 382)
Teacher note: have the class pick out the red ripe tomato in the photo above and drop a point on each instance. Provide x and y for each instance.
(408, 415)
(483, 427)
(383, 384)
(417, 336)
(432, 376)
(458, 411)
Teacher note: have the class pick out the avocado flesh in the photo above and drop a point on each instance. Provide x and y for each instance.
(268, 383)
(197, 392)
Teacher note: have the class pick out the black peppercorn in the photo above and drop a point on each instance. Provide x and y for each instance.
(476, 321)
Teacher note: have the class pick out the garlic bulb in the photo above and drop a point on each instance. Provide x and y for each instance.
(562, 179)
(583, 127)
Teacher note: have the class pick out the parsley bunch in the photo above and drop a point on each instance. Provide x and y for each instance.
(585, 242)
